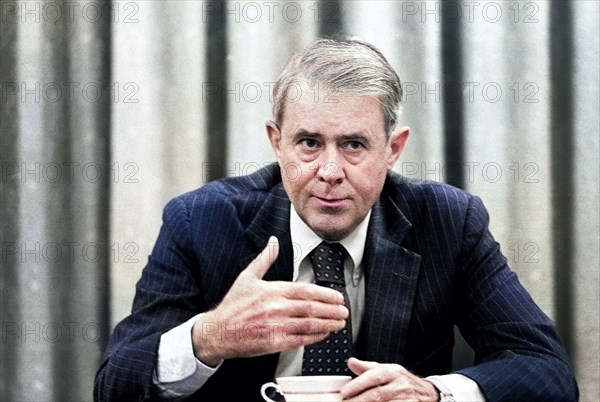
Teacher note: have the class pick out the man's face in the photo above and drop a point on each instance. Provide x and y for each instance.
(334, 156)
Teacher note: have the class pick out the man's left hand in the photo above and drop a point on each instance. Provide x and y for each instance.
(386, 382)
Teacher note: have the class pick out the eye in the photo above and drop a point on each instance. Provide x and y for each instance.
(353, 145)
(309, 143)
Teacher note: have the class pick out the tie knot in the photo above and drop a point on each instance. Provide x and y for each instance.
(328, 264)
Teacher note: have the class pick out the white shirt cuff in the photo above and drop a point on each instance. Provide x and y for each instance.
(461, 387)
(178, 373)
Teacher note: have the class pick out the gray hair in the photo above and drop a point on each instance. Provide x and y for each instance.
(342, 65)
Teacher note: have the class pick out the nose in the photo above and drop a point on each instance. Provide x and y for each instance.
(330, 168)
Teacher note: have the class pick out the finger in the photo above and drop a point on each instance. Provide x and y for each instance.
(303, 326)
(293, 341)
(360, 366)
(374, 379)
(377, 394)
(390, 391)
(310, 291)
(313, 309)
(261, 264)
(369, 375)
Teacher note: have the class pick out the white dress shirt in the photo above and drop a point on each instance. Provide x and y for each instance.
(179, 373)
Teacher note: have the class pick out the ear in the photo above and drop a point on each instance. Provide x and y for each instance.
(396, 143)
(274, 138)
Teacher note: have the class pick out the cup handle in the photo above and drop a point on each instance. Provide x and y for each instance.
(266, 386)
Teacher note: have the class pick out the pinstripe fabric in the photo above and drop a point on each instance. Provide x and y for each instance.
(430, 263)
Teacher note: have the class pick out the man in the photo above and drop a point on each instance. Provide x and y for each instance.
(232, 298)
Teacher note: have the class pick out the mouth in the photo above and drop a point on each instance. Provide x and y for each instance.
(332, 202)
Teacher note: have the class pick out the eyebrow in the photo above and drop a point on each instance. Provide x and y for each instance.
(344, 137)
(356, 137)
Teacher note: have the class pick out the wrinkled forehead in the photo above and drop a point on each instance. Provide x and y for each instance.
(333, 115)
(310, 97)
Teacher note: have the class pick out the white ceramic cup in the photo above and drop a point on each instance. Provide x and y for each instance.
(325, 388)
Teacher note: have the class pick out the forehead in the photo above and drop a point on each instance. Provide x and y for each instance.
(328, 111)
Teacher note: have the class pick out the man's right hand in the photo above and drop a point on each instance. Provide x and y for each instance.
(258, 317)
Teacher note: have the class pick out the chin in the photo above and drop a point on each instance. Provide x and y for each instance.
(332, 232)
(331, 237)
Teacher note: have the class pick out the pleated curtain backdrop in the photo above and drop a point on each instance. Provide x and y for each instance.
(109, 109)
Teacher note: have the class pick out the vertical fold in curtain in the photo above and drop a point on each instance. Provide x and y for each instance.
(56, 171)
(215, 99)
(562, 152)
(585, 276)
(9, 209)
(452, 79)
(330, 21)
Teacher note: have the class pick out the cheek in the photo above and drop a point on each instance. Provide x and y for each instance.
(296, 178)
(369, 183)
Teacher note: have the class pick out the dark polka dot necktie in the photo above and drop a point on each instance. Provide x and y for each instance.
(329, 356)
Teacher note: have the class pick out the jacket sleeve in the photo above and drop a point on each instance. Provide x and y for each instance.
(167, 295)
(518, 355)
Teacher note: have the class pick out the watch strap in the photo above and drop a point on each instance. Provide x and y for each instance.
(445, 393)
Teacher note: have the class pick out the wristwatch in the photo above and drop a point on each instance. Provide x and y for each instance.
(446, 397)
(444, 392)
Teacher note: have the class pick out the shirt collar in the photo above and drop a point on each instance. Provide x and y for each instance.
(304, 240)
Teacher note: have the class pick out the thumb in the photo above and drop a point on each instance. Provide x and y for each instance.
(360, 366)
(261, 264)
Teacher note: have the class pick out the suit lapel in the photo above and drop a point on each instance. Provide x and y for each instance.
(272, 219)
(391, 273)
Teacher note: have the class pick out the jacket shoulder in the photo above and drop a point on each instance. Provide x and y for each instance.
(412, 195)
(263, 180)
(235, 198)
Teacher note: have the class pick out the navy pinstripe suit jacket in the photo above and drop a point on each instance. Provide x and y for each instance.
(430, 262)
